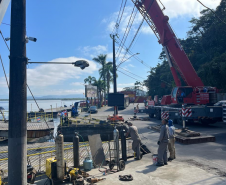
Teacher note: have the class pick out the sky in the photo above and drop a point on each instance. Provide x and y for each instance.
(75, 30)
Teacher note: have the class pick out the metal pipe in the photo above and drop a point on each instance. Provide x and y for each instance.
(123, 144)
(17, 136)
(60, 156)
(76, 150)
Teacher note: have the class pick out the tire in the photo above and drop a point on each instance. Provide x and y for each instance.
(122, 165)
(111, 165)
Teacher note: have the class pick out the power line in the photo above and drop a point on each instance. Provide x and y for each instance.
(129, 25)
(122, 12)
(129, 76)
(119, 20)
(131, 73)
(211, 11)
(134, 37)
(138, 59)
(4, 40)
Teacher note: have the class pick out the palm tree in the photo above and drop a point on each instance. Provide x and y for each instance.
(108, 73)
(89, 79)
(101, 59)
(100, 87)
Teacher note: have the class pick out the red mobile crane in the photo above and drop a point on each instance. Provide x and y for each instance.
(194, 94)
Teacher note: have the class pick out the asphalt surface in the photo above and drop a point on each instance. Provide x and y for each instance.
(208, 156)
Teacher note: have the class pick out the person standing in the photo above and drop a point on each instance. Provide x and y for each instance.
(136, 139)
(171, 144)
(163, 143)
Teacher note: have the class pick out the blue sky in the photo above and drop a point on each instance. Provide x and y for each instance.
(80, 29)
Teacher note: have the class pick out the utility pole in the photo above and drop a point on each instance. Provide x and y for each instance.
(17, 135)
(114, 74)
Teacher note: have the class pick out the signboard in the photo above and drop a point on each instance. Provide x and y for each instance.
(115, 99)
(3, 7)
(90, 91)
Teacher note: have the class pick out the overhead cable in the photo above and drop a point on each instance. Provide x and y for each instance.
(211, 11)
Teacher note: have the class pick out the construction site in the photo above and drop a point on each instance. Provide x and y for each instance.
(136, 124)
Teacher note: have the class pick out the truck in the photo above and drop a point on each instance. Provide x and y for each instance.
(187, 103)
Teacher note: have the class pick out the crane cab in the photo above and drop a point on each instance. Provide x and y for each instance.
(182, 95)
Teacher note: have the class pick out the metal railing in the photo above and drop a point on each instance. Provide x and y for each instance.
(37, 155)
(39, 116)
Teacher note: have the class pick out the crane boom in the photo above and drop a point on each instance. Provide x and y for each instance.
(158, 22)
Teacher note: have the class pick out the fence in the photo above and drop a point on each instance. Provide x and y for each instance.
(35, 117)
(38, 153)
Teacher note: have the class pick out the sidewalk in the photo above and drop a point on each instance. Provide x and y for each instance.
(145, 173)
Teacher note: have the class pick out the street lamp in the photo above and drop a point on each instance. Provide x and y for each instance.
(127, 59)
(79, 63)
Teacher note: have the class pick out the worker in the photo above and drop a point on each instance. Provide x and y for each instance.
(163, 143)
(171, 144)
(136, 139)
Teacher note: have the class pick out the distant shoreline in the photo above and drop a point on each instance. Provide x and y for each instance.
(50, 99)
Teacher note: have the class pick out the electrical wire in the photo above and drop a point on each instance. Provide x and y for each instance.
(4, 40)
(130, 52)
(211, 11)
(129, 76)
(116, 24)
(131, 73)
(138, 29)
(125, 35)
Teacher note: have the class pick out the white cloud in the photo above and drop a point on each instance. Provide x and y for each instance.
(47, 74)
(175, 8)
(94, 51)
(126, 85)
(77, 83)
(131, 65)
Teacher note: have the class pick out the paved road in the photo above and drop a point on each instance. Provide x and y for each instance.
(209, 156)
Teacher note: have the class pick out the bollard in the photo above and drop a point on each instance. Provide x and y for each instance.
(135, 111)
(76, 150)
(60, 156)
(123, 144)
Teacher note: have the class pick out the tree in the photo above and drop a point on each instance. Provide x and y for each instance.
(101, 59)
(89, 79)
(100, 87)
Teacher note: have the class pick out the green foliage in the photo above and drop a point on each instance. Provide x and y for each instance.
(205, 46)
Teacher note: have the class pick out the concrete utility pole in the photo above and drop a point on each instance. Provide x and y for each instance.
(17, 136)
(114, 74)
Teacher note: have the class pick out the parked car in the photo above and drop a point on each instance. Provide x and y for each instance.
(65, 105)
(93, 109)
